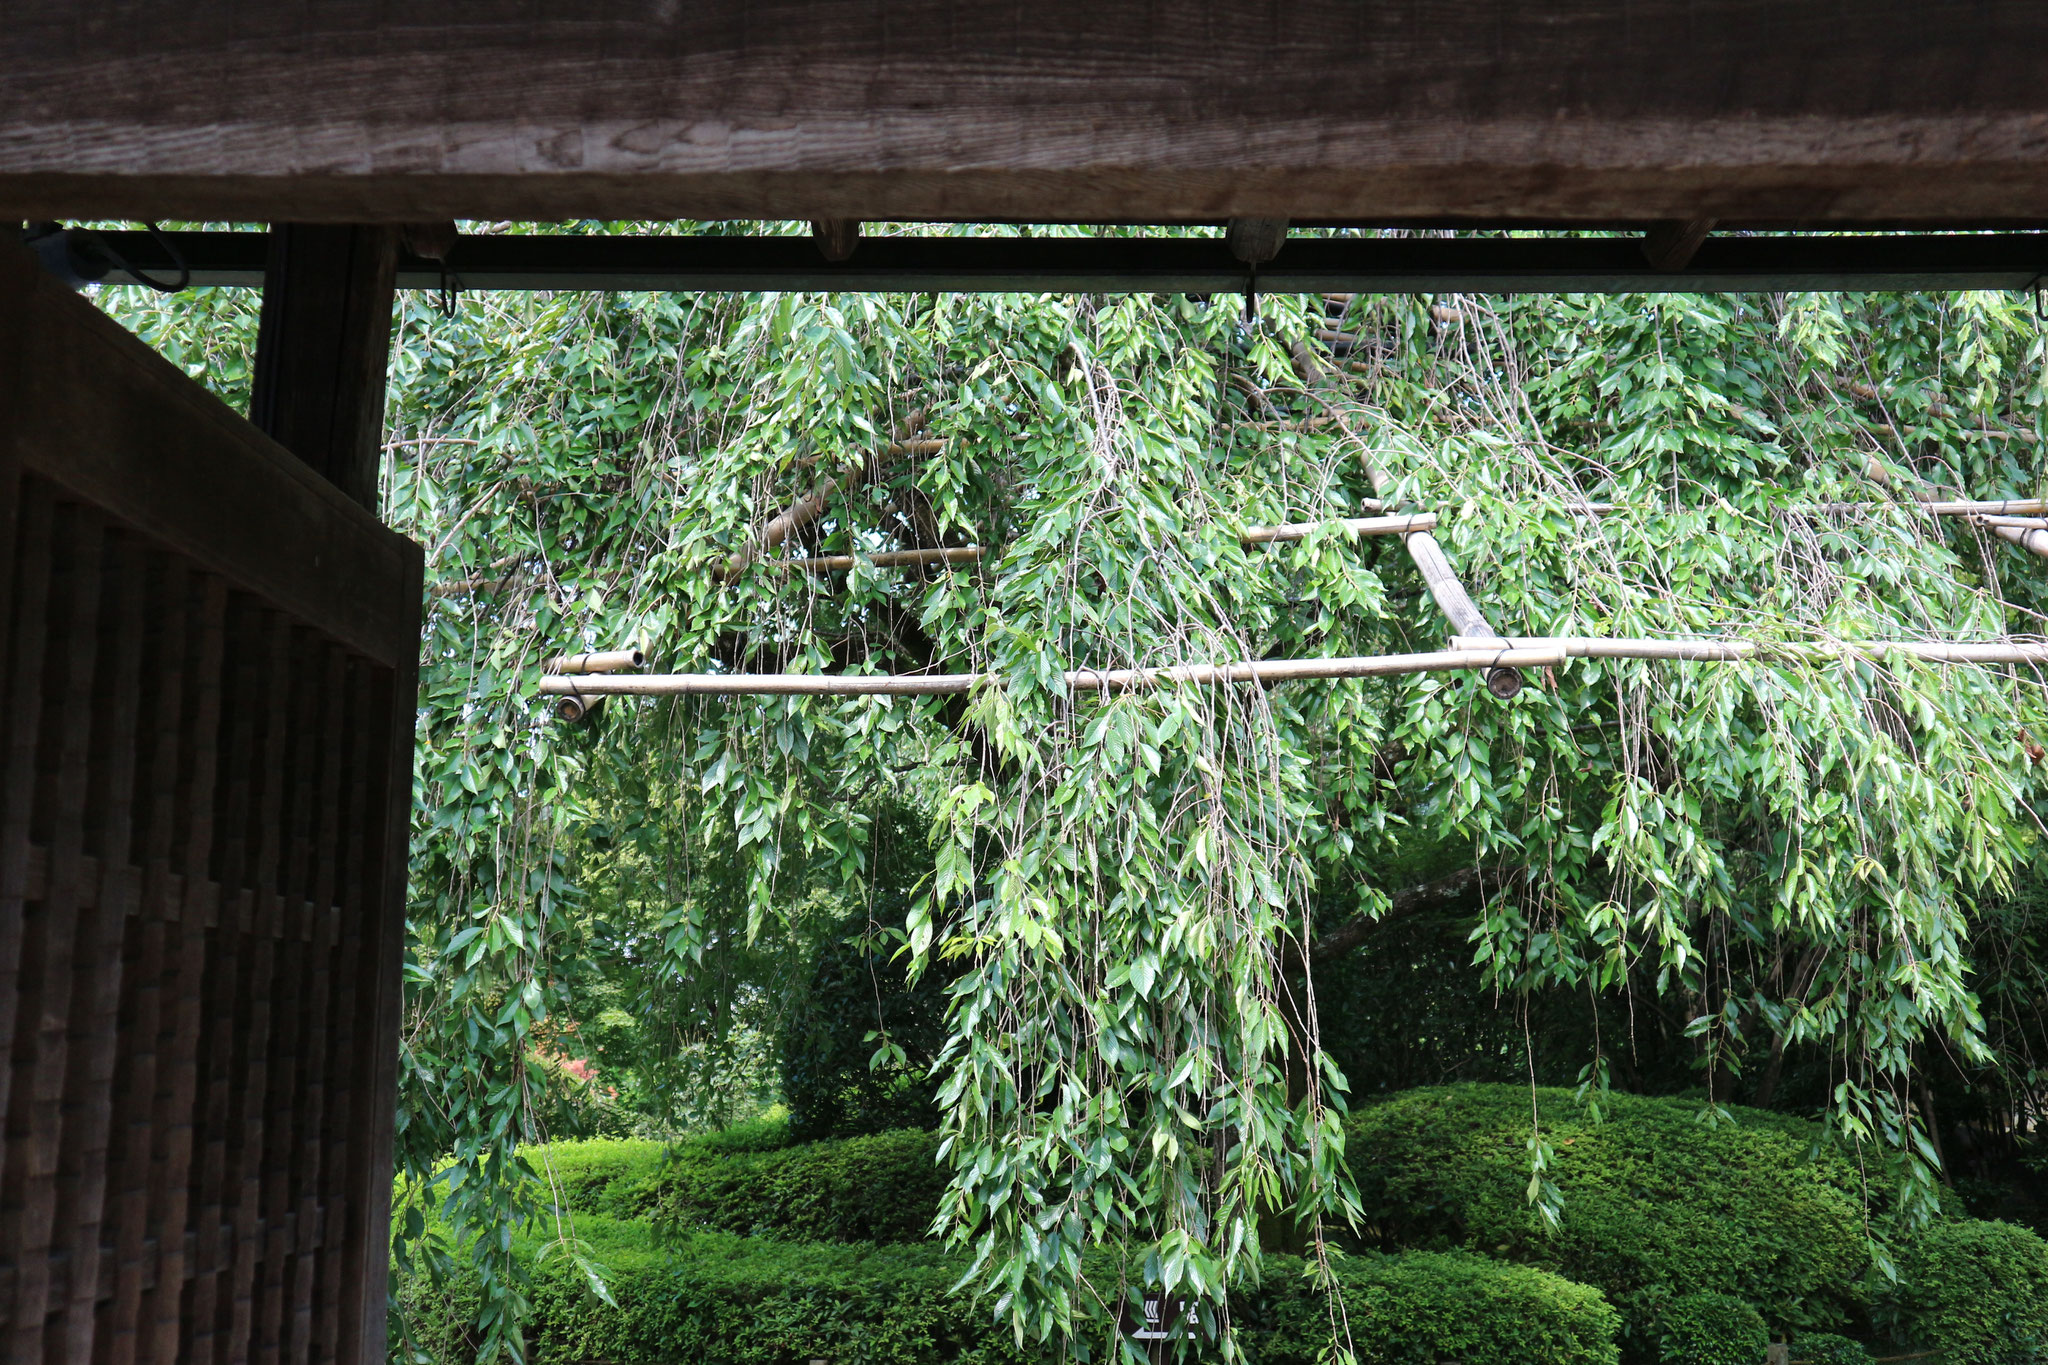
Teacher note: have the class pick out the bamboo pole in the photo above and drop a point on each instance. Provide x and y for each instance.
(1965, 508)
(1263, 671)
(2023, 523)
(1489, 654)
(2034, 540)
(601, 661)
(887, 559)
(1788, 651)
(1357, 526)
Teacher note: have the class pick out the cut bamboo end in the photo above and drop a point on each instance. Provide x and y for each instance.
(2023, 523)
(1357, 526)
(2034, 540)
(887, 559)
(602, 661)
(576, 707)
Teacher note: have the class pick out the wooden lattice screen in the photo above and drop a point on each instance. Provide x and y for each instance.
(208, 698)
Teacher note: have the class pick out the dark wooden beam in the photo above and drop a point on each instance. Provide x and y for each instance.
(323, 346)
(1195, 265)
(1500, 110)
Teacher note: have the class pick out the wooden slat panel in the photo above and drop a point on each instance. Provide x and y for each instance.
(173, 1121)
(202, 853)
(347, 1084)
(147, 961)
(269, 650)
(35, 1119)
(324, 839)
(285, 1082)
(24, 701)
(97, 980)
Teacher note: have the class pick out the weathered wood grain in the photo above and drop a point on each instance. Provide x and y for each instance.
(858, 109)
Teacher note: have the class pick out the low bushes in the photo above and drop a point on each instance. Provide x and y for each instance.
(735, 1300)
(1656, 1204)
(1426, 1306)
(1828, 1348)
(1978, 1292)
(881, 1188)
(1708, 1329)
(745, 1301)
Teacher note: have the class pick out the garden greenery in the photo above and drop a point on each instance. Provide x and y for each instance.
(1123, 890)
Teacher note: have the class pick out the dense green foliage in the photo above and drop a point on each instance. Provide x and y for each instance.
(1708, 1329)
(1978, 1292)
(1776, 860)
(1656, 1202)
(832, 1080)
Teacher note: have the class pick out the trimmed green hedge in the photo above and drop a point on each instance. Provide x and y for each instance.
(881, 1188)
(730, 1299)
(1977, 1292)
(752, 1301)
(1656, 1203)
(1430, 1306)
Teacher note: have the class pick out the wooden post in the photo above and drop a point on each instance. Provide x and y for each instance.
(323, 346)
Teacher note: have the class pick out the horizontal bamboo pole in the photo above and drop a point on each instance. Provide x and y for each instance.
(2023, 523)
(2033, 540)
(1966, 508)
(887, 559)
(1264, 671)
(602, 661)
(1357, 526)
(1737, 651)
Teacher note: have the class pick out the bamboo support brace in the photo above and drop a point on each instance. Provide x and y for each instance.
(602, 661)
(1264, 671)
(1357, 526)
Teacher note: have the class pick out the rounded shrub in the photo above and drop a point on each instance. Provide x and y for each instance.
(1977, 1292)
(1429, 1306)
(1656, 1202)
(1710, 1329)
(884, 1187)
(1828, 1348)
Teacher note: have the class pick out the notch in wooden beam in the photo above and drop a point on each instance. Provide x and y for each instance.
(1672, 245)
(429, 241)
(836, 237)
(1255, 240)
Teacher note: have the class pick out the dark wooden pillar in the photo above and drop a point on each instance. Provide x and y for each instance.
(323, 347)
